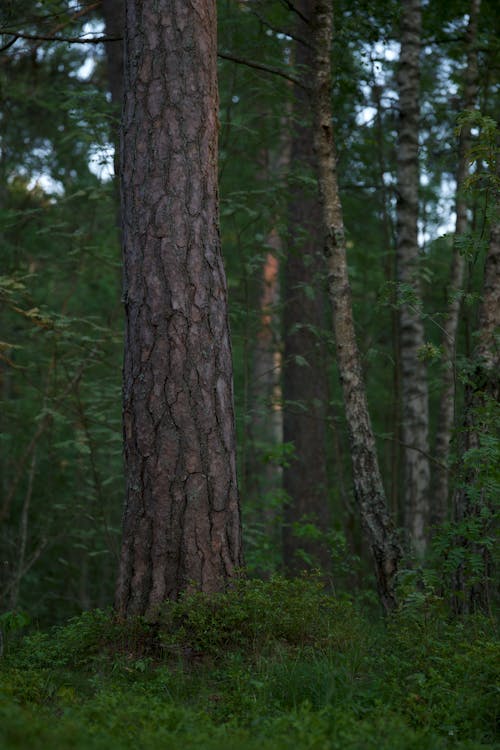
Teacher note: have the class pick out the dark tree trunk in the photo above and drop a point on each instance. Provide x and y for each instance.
(415, 407)
(473, 500)
(305, 377)
(181, 526)
(446, 417)
(368, 487)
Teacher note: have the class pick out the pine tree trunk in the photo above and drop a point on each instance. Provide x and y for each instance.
(305, 374)
(368, 485)
(181, 526)
(446, 415)
(415, 409)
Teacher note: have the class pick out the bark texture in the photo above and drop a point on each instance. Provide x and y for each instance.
(305, 377)
(368, 485)
(446, 417)
(415, 408)
(181, 526)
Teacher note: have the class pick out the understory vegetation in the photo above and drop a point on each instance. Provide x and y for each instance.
(276, 664)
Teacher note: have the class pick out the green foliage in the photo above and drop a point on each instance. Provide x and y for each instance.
(257, 615)
(274, 665)
(466, 549)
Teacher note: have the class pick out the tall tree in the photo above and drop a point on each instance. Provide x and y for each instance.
(305, 381)
(182, 523)
(475, 500)
(446, 416)
(415, 408)
(368, 485)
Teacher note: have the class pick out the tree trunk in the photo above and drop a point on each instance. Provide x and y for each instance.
(368, 486)
(446, 415)
(267, 413)
(394, 416)
(181, 526)
(415, 408)
(305, 376)
(473, 498)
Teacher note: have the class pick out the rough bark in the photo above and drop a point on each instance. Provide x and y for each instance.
(446, 416)
(415, 409)
(369, 490)
(181, 526)
(305, 376)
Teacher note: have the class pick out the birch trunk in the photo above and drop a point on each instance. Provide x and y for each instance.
(368, 485)
(446, 416)
(415, 408)
(181, 526)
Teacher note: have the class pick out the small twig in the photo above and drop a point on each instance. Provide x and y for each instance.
(413, 448)
(44, 423)
(50, 38)
(19, 35)
(261, 66)
(277, 29)
(292, 7)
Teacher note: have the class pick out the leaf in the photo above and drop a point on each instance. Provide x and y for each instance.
(301, 361)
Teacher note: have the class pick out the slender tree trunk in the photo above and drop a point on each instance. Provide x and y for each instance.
(415, 409)
(181, 526)
(305, 377)
(394, 417)
(23, 536)
(368, 486)
(267, 419)
(470, 498)
(446, 415)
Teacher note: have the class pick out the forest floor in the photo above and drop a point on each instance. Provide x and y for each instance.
(269, 666)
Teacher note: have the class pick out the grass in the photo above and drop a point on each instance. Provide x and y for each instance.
(275, 664)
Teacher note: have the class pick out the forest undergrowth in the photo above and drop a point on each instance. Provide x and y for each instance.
(276, 664)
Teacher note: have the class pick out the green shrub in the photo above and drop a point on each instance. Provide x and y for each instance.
(257, 614)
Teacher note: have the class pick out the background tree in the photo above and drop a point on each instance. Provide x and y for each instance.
(366, 474)
(306, 372)
(415, 411)
(446, 418)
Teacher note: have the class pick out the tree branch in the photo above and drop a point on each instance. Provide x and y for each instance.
(292, 7)
(50, 38)
(278, 30)
(261, 66)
